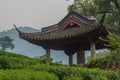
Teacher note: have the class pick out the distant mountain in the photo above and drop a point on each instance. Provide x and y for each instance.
(25, 48)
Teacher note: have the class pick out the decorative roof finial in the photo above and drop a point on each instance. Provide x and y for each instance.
(16, 28)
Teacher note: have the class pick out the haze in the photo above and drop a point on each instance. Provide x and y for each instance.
(32, 13)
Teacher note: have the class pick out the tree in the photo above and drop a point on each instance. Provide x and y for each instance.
(6, 42)
(95, 8)
(114, 43)
(111, 11)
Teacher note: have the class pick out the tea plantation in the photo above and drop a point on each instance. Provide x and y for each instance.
(18, 67)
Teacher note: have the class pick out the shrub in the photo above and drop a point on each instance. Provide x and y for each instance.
(70, 73)
(15, 61)
(112, 62)
(73, 78)
(97, 63)
(36, 71)
(26, 75)
(4, 63)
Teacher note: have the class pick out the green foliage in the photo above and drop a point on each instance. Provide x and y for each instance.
(94, 8)
(18, 67)
(97, 63)
(26, 75)
(76, 73)
(99, 55)
(114, 43)
(6, 42)
(4, 53)
(4, 63)
(102, 54)
(84, 6)
(112, 62)
(73, 78)
(43, 59)
(13, 61)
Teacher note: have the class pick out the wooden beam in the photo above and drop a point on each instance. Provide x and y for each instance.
(47, 56)
(71, 21)
(80, 57)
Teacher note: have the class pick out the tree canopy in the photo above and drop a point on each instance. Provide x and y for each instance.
(6, 42)
(96, 8)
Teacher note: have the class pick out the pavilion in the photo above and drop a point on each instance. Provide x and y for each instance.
(74, 33)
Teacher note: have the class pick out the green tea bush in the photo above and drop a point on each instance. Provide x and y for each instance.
(70, 73)
(15, 61)
(97, 63)
(33, 70)
(111, 62)
(4, 64)
(2, 53)
(26, 75)
(73, 78)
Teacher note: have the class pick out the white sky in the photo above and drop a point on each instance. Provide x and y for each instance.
(32, 13)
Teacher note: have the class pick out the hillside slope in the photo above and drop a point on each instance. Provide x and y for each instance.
(19, 67)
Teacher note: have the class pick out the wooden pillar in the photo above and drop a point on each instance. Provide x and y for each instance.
(93, 49)
(80, 57)
(69, 53)
(70, 59)
(47, 56)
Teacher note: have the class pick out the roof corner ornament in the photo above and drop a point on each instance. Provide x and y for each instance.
(17, 28)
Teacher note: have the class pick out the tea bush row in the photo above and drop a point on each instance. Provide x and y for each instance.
(70, 73)
(26, 75)
(13, 61)
(112, 62)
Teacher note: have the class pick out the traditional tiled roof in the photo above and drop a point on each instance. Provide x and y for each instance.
(78, 17)
(59, 34)
(50, 28)
(55, 32)
(74, 26)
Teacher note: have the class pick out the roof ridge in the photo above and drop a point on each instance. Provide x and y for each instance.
(80, 14)
(76, 14)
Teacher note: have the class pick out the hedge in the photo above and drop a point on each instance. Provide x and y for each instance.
(26, 75)
(68, 73)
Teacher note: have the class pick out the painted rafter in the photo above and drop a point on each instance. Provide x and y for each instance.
(71, 22)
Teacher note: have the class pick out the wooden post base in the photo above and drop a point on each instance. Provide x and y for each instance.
(70, 59)
(47, 56)
(80, 57)
(93, 50)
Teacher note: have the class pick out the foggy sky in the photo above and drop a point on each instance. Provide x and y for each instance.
(33, 13)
